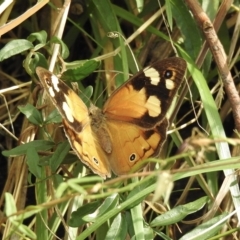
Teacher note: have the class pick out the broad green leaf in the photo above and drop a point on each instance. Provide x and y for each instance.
(187, 26)
(206, 229)
(41, 196)
(32, 162)
(136, 21)
(32, 114)
(39, 145)
(108, 204)
(118, 228)
(162, 235)
(86, 95)
(76, 219)
(178, 213)
(33, 60)
(148, 232)
(30, 211)
(136, 190)
(148, 8)
(10, 205)
(77, 184)
(64, 49)
(113, 212)
(53, 117)
(210, 8)
(78, 70)
(15, 47)
(24, 230)
(59, 155)
(41, 37)
(106, 17)
(169, 14)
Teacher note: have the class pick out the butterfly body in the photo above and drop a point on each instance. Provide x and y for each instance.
(131, 126)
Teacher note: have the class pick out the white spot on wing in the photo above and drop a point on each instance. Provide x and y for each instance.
(55, 83)
(68, 112)
(170, 85)
(153, 74)
(51, 92)
(153, 105)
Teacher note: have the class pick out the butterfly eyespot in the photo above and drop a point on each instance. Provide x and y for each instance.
(95, 160)
(168, 74)
(133, 157)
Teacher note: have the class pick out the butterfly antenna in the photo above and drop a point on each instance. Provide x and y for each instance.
(167, 27)
(105, 88)
(194, 111)
(171, 41)
(100, 95)
(116, 34)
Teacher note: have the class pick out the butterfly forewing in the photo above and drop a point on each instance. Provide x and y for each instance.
(146, 97)
(76, 122)
(65, 99)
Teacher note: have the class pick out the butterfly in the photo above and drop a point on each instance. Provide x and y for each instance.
(131, 127)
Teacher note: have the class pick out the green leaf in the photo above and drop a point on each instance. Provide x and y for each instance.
(57, 180)
(210, 8)
(169, 14)
(187, 26)
(118, 228)
(136, 190)
(39, 145)
(207, 229)
(41, 37)
(10, 206)
(41, 196)
(33, 60)
(30, 211)
(113, 212)
(106, 15)
(149, 8)
(32, 114)
(53, 117)
(86, 95)
(59, 155)
(76, 219)
(162, 235)
(178, 213)
(25, 230)
(75, 184)
(78, 70)
(44, 160)
(64, 49)
(126, 15)
(108, 204)
(211, 110)
(32, 162)
(148, 232)
(106, 18)
(15, 47)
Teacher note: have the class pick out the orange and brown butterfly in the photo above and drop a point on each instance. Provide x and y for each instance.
(132, 125)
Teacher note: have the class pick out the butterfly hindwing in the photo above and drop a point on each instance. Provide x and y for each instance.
(134, 144)
(88, 149)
